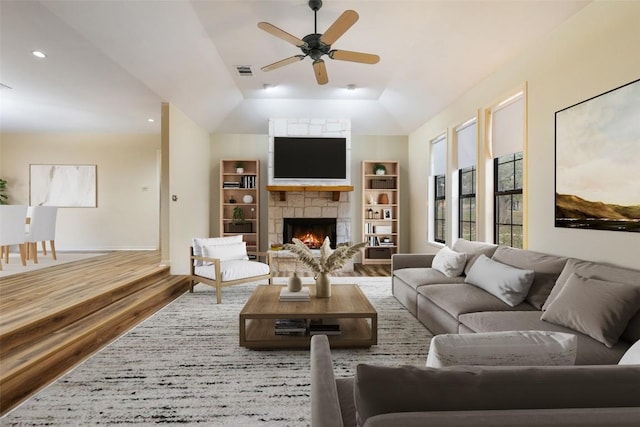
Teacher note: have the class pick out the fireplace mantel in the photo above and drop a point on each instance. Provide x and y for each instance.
(335, 189)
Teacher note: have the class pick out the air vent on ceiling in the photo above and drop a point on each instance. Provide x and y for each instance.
(244, 70)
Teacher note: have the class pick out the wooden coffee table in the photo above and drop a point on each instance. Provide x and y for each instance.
(348, 306)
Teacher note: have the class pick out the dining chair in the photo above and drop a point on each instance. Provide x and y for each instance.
(12, 224)
(42, 227)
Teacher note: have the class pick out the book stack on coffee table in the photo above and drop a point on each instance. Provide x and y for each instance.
(301, 295)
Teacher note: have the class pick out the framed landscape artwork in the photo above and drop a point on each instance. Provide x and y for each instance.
(62, 185)
(598, 162)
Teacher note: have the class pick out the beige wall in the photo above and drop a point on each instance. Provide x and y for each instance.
(127, 186)
(362, 148)
(189, 168)
(595, 51)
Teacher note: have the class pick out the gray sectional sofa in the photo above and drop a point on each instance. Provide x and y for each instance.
(606, 325)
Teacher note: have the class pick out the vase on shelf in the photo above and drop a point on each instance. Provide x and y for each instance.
(323, 285)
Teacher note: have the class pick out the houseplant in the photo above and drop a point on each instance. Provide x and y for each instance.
(379, 169)
(238, 224)
(239, 167)
(328, 261)
(3, 188)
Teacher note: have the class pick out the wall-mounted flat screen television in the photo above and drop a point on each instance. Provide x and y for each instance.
(309, 158)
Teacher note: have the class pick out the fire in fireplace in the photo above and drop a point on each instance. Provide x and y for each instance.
(311, 231)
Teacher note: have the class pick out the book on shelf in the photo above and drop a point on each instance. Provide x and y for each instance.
(301, 295)
(324, 329)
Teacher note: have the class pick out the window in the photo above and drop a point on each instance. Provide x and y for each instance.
(467, 142)
(508, 200)
(507, 147)
(438, 217)
(439, 209)
(467, 203)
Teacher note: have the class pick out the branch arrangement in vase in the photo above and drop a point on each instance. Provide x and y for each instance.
(329, 260)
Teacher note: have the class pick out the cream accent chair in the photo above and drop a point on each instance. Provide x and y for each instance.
(224, 261)
(42, 227)
(13, 219)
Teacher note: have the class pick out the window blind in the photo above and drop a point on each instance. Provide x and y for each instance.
(467, 136)
(507, 127)
(439, 156)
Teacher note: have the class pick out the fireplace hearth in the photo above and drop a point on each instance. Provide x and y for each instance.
(311, 231)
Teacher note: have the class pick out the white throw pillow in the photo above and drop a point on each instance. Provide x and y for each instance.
(199, 242)
(234, 251)
(632, 356)
(508, 283)
(448, 262)
(510, 348)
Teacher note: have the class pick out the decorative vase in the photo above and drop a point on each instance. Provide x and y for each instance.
(323, 285)
(239, 170)
(247, 198)
(380, 171)
(295, 283)
(383, 199)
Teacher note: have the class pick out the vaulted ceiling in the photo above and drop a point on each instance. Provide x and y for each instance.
(110, 63)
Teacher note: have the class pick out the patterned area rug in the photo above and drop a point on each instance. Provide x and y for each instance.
(184, 366)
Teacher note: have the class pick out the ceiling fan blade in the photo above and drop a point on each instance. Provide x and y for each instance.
(275, 31)
(320, 71)
(283, 62)
(338, 28)
(347, 55)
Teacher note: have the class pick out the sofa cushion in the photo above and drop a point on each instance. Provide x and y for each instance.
(594, 307)
(601, 272)
(460, 298)
(631, 356)
(199, 242)
(508, 283)
(590, 351)
(473, 250)
(448, 262)
(508, 348)
(547, 269)
(225, 252)
(382, 390)
(416, 277)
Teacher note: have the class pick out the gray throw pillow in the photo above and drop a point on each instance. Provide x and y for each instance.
(594, 307)
(507, 283)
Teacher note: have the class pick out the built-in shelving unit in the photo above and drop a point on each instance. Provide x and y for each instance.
(240, 191)
(380, 210)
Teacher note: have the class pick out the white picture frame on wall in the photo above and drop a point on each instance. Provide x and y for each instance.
(64, 186)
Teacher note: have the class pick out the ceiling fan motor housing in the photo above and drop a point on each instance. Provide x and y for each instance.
(315, 48)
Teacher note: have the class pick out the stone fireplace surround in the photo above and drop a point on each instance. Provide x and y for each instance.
(309, 204)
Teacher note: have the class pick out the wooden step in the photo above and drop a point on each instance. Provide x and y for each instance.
(23, 327)
(30, 366)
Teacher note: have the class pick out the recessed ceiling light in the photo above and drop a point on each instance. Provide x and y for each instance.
(150, 120)
(38, 54)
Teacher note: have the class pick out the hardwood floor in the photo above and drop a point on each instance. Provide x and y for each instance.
(53, 318)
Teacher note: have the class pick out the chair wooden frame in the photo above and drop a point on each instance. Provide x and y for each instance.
(218, 283)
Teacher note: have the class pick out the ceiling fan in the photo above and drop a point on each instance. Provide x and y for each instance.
(317, 45)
